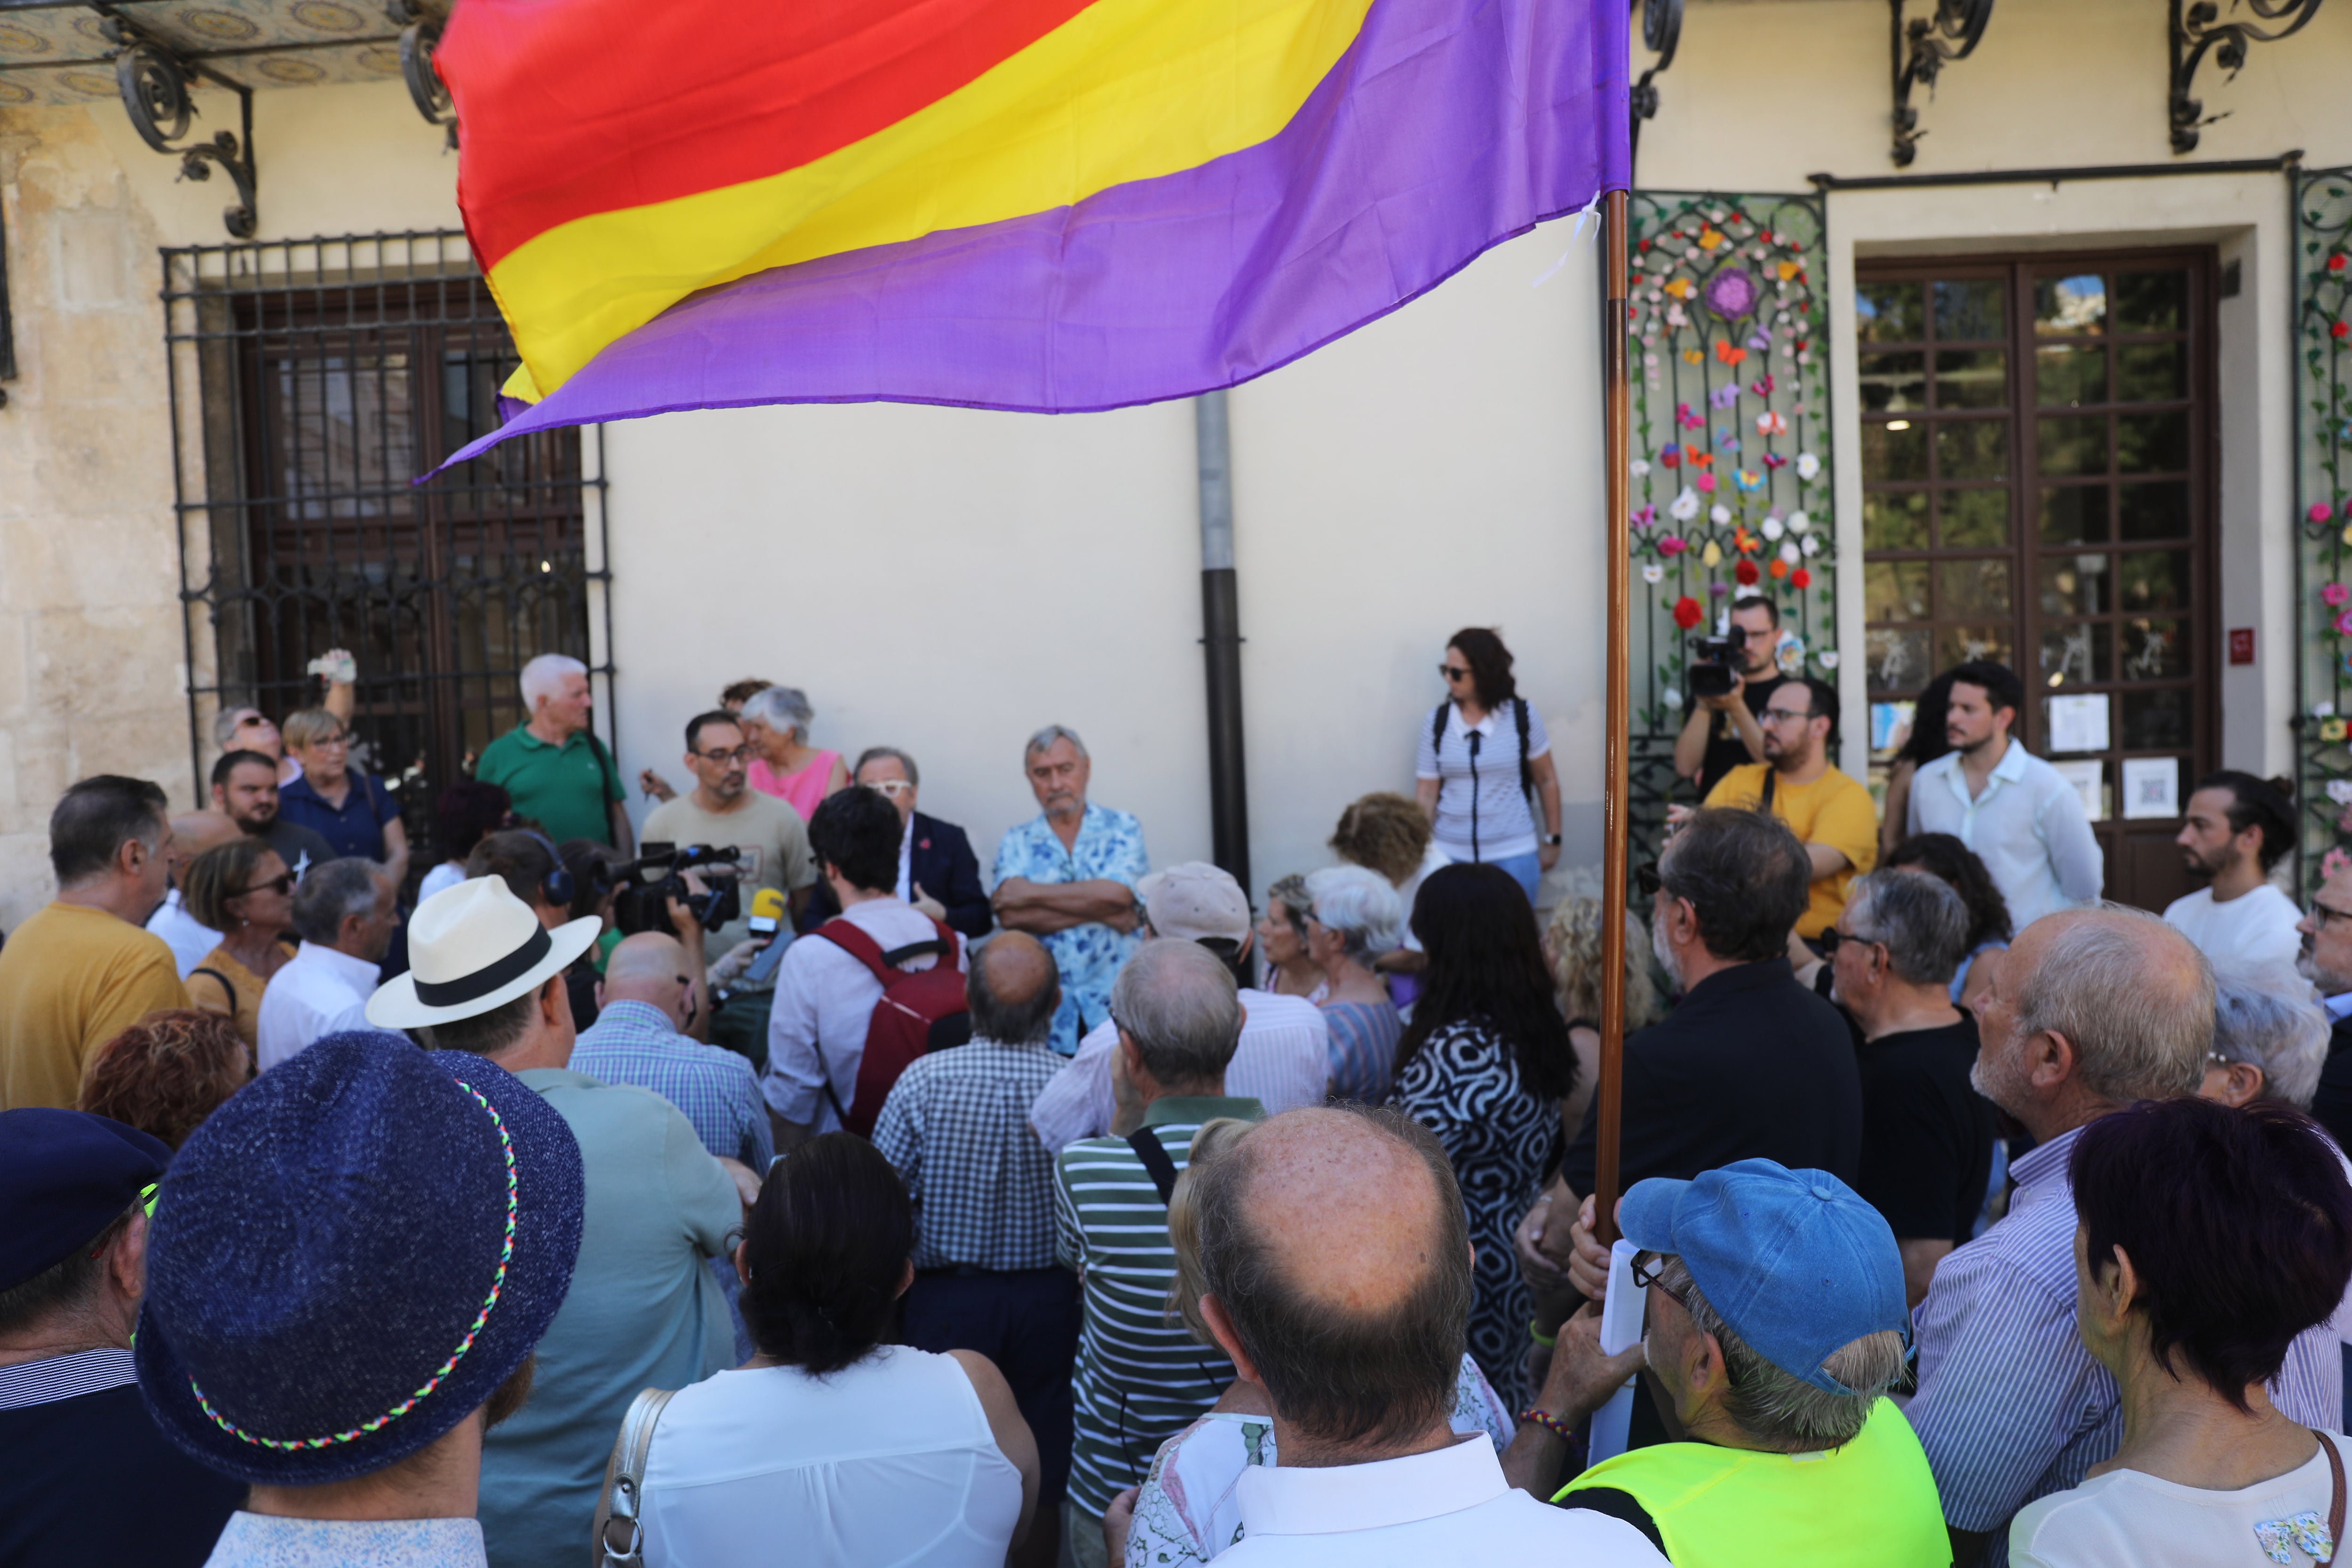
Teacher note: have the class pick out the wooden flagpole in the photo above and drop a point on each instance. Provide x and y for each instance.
(1617, 460)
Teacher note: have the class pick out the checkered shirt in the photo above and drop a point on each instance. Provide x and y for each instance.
(633, 1043)
(957, 1127)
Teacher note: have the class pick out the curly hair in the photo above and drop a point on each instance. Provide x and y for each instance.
(1385, 833)
(220, 874)
(1943, 857)
(167, 1072)
(1574, 936)
(1490, 665)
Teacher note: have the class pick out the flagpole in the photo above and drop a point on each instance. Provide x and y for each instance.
(1617, 462)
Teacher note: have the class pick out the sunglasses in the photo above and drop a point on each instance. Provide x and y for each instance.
(890, 789)
(282, 883)
(1453, 672)
(1832, 939)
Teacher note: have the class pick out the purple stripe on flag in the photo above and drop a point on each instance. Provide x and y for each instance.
(1447, 127)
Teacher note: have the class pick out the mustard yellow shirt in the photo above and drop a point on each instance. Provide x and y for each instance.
(1832, 810)
(72, 978)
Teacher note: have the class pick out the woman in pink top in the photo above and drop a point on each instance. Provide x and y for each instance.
(775, 725)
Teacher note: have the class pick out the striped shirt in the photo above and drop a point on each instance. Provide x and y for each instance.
(32, 1383)
(1482, 813)
(1142, 1377)
(1364, 1037)
(957, 1127)
(633, 1043)
(2010, 1406)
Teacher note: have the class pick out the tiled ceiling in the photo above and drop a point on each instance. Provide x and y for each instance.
(56, 53)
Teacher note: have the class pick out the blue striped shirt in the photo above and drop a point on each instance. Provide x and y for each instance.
(633, 1043)
(32, 1383)
(2010, 1406)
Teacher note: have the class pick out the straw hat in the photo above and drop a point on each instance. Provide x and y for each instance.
(471, 947)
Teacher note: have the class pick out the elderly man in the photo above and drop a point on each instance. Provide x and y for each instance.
(938, 872)
(79, 970)
(553, 766)
(1282, 1062)
(645, 1003)
(2326, 960)
(1337, 1264)
(1142, 1377)
(193, 833)
(245, 790)
(2090, 1011)
(1926, 1135)
(1068, 877)
(344, 913)
(1776, 1324)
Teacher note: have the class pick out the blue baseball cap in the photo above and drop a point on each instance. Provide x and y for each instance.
(1795, 1261)
(65, 1176)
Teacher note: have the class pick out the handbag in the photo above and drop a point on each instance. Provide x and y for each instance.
(625, 1476)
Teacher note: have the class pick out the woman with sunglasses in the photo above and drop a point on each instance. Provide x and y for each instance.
(242, 890)
(1482, 753)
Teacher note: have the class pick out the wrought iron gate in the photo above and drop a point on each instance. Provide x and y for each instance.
(311, 381)
(2321, 260)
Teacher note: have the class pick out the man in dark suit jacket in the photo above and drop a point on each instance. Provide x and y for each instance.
(941, 873)
(2326, 962)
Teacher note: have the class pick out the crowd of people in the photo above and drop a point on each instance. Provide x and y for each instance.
(780, 1185)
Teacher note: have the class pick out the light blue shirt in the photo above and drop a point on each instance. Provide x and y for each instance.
(632, 1042)
(2028, 828)
(1109, 847)
(266, 1540)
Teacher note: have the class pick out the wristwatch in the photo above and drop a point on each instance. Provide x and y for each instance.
(1551, 839)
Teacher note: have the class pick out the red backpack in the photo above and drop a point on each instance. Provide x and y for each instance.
(918, 1012)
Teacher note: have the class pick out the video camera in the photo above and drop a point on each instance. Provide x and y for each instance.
(646, 885)
(1713, 660)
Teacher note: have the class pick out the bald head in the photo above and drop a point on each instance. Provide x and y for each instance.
(194, 832)
(2130, 995)
(1176, 1003)
(1012, 990)
(649, 967)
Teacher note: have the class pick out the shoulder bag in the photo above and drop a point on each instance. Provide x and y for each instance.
(620, 1538)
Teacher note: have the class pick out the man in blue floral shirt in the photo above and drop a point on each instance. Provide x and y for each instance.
(1068, 878)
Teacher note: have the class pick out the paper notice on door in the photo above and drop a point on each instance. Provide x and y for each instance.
(2078, 723)
(2090, 782)
(2151, 786)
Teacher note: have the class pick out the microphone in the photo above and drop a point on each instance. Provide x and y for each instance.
(768, 920)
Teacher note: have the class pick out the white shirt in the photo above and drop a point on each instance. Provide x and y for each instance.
(188, 937)
(824, 998)
(304, 999)
(906, 860)
(1449, 1508)
(1283, 1060)
(2028, 828)
(1482, 814)
(2129, 1516)
(889, 1461)
(440, 879)
(2253, 931)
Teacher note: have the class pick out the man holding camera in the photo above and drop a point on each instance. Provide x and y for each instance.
(768, 834)
(1725, 729)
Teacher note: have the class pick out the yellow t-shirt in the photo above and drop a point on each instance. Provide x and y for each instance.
(1832, 810)
(71, 979)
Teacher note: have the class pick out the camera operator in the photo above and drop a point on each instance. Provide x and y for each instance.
(1724, 732)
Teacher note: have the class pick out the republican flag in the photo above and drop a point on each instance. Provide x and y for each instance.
(1045, 206)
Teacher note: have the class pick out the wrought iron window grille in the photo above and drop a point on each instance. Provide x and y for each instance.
(1662, 33)
(2195, 29)
(1933, 43)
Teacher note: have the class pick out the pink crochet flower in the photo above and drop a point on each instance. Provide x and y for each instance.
(2335, 593)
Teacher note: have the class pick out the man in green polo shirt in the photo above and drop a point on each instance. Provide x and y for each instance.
(1776, 1325)
(552, 767)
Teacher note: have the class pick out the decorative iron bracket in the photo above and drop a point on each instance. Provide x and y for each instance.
(420, 34)
(1951, 35)
(2196, 29)
(153, 82)
(1661, 33)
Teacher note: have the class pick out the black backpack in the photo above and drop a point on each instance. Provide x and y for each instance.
(1519, 716)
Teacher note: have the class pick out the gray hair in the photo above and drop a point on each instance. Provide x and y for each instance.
(1360, 906)
(543, 675)
(781, 709)
(225, 723)
(2266, 1018)
(1177, 1001)
(1923, 922)
(1296, 901)
(1028, 1022)
(330, 894)
(876, 753)
(2111, 986)
(1042, 740)
(1780, 1408)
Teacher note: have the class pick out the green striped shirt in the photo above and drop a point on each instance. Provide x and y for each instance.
(1142, 1377)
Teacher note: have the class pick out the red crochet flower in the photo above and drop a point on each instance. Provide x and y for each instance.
(1801, 578)
(1745, 571)
(1688, 612)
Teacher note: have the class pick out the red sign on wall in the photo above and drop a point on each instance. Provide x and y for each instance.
(2241, 644)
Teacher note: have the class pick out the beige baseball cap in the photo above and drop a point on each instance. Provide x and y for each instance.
(1193, 900)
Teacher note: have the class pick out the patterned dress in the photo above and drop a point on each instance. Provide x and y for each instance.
(1464, 1085)
(1109, 847)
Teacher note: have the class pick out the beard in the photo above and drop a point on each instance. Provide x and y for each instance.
(1997, 1080)
(1665, 953)
(2308, 964)
(2197, 864)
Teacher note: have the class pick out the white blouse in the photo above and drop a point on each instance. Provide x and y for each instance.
(890, 1461)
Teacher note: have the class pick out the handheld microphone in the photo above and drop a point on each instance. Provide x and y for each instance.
(768, 920)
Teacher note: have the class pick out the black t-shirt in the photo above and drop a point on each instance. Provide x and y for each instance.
(91, 1483)
(1926, 1135)
(300, 847)
(2331, 1107)
(1725, 748)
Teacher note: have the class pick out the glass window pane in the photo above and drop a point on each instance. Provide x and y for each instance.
(2070, 374)
(1895, 590)
(1898, 659)
(2074, 653)
(2151, 301)
(1973, 309)
(2075, 515)
(1893, 383)
(2154, 580)
(2074, 584)
(1894, 520)
(1972, 449)
(1893, 452)
(2152, 443)
(2152, 372)
(1889, 312)
(1972, 589)
(1958, 645)
(1971, 378)
(2155, 721)
(2156, 511)
(2155, 650)
(2077, 304)
(1974, 519)
(2073, 445)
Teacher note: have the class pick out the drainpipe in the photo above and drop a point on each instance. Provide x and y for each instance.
(1221, 640)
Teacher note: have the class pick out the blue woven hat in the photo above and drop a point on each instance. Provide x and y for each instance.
(351, 1255)
(65, 1176)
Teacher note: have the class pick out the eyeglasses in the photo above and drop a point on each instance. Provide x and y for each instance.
(1781, 715)
(1832, 939)
(1453, 672)
(721, 759)
(282, 883)
(1654, 1273)
(2323, 913)
(1647, 878)
(332, 741)
(890, 789)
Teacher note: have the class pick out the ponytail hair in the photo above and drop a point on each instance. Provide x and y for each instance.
(826, 1248)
